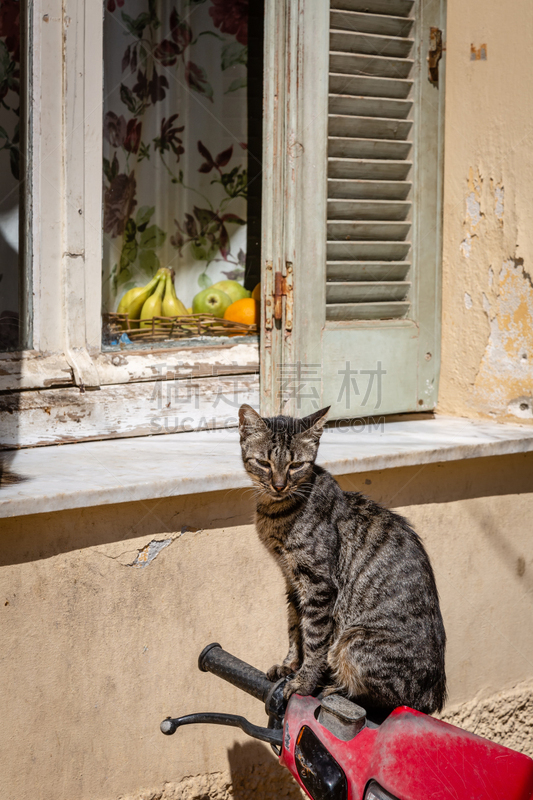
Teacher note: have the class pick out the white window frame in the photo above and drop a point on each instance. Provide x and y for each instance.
(64, 191)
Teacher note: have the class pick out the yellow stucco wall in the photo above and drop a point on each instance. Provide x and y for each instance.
(97, 649)
(487, 338)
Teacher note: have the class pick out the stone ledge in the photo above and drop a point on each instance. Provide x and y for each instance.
(124, 470)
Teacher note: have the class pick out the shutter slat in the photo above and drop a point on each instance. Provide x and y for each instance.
(380, 231)
(354, 42)
(354, 64)
(364, 86)
(345, 147)
(371, 23)
(358, 189)
(398, 8)
(366, 291)
(369, 147)
(352, 311)
(367, 270)
(367, 209)
(369, 107)
(369, 127)
(367, 251)
(365, 168)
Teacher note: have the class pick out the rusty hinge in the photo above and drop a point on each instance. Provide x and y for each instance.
(274, 300)
(434, 54)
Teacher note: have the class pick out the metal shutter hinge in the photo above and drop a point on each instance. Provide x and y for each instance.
(434, 54)
(283, 289)
(277, 287)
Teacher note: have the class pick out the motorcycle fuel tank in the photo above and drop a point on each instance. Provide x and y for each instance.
(410, 756)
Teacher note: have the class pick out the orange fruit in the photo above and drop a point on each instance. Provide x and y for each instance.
(256, 294)
(245, 311)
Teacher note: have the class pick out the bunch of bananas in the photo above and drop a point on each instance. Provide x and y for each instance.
(156, 299)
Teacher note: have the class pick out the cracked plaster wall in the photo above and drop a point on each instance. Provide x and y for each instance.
(505, 717)
(487, 336)
(103, 613)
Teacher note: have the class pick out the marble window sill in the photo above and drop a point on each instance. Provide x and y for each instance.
(125, 470)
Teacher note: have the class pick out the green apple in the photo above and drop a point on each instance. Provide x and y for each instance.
(233, 289)
(211, 301)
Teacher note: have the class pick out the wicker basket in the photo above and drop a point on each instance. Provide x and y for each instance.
(159, 328)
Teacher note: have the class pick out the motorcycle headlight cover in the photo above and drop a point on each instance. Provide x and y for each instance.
(321, 775)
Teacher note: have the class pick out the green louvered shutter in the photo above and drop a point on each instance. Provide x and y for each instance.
(366, 190)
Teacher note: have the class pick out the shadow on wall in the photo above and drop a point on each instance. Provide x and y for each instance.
(445, 482)
(256, 773)
(37, 536)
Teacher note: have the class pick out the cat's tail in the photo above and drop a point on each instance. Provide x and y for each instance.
(347, 675)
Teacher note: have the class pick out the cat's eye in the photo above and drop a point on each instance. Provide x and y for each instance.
(297, 465)
(264, 464)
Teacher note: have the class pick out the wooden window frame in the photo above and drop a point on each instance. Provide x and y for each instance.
(64, 226)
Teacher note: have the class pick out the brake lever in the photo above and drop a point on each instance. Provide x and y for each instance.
(272, 736)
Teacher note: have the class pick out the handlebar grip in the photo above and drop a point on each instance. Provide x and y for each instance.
(216, 660)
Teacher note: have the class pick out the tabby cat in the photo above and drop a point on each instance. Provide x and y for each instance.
(364, 611)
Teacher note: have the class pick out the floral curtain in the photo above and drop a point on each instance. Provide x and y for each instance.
(9, 172)
(175, 143)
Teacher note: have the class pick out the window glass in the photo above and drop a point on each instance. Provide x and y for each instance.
(10, 171)
(181, 154)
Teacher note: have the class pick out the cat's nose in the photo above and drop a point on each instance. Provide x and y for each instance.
(279, 487)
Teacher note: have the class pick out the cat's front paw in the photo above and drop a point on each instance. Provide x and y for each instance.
(300, 684)
(279, 671)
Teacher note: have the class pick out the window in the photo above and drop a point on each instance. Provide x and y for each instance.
(67, 386)
(350, 235)
(181, 156)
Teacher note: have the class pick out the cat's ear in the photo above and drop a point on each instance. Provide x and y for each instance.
(249, 421)
(313, 425)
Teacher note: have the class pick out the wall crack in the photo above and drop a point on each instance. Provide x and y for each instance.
(148, 553)
(141, 557)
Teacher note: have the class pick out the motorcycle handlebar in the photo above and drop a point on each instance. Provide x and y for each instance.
(251, 680)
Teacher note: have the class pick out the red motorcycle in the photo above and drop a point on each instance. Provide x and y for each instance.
(335, 751)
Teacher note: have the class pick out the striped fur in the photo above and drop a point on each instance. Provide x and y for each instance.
(363, 605)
